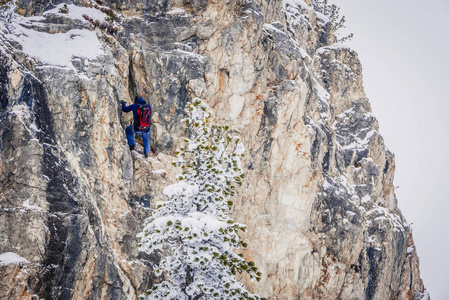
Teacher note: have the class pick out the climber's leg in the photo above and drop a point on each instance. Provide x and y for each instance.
(146, 143)
(130, 137)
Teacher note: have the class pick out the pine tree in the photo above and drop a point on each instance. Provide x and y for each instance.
(332, 11)
(193, 227)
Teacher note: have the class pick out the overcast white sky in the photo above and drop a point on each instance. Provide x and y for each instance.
(404, 49)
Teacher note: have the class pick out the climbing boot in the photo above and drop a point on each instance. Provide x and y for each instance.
(132, 148)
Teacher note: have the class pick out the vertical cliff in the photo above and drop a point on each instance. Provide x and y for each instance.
(318, 198)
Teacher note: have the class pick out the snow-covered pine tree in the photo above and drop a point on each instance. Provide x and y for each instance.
(193, 228)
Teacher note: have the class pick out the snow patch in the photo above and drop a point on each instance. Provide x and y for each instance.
(76, 12)
(382, 215)
(321, 91)
(304, 54)
(366, 199)
(322, 17)
(59, 49)
(177, 11)
(371, 239)
(358, 143)
(11, 258)
(270, 27)
(181, 188)
(336, 46)
(297, 3)
(295, 12)
(27, 205)
(161, 171)
(55, 49)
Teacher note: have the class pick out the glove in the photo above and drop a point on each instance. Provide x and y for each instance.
(123, 102)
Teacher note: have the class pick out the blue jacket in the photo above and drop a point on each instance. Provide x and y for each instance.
(134, 107)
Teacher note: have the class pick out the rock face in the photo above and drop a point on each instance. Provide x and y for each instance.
(319, 201)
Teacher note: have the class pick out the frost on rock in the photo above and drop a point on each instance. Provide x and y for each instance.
(192, 228)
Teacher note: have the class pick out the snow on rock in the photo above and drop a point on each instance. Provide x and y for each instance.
(27, 205)
(318, 196)
(335, 46)
(77, 12)
(271, 27)
(58, 49)
(297, 3)
(11, 258)
(383, 217)
(294, 11)
(177, 11)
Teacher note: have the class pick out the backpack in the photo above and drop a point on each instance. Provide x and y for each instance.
(143, 119)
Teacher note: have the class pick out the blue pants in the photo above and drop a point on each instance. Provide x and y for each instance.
(145, 137)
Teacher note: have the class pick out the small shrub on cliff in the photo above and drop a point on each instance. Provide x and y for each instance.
(332, 11)
(64, 9)
(193, 228)
(105, 26)
(108, 23)
(5, 3)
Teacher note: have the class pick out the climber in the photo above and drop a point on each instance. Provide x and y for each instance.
(142, 124)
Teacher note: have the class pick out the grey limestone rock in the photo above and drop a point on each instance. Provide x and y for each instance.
(318, 198)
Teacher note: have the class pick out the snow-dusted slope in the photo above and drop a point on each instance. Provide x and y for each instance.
(54, 48)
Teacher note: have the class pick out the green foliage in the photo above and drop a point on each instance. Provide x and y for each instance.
(193, 225)
(6, 3)
(332, 11)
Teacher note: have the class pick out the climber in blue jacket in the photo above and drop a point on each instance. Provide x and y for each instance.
(142, 123)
